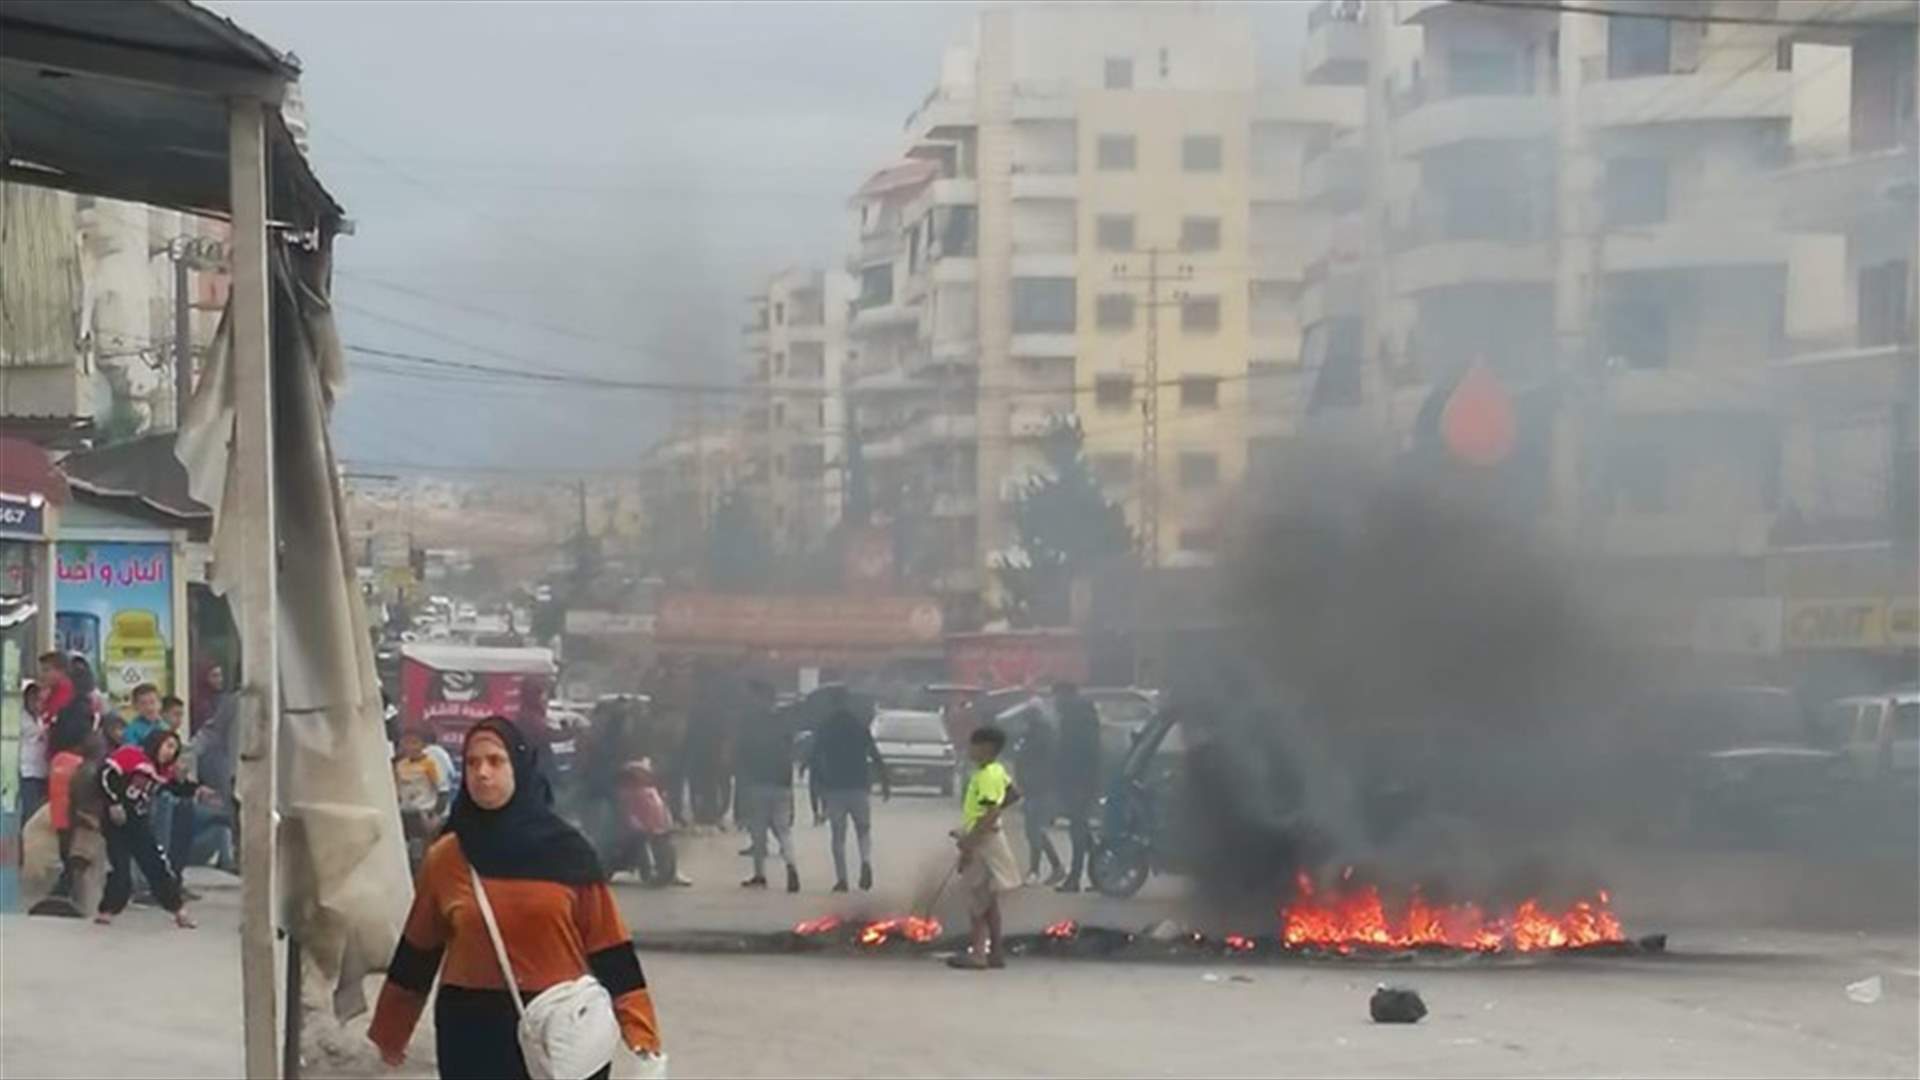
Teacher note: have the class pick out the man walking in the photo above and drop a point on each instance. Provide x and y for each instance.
(1036, 768)
(1079, 774)
(765, 785)
(841, 767)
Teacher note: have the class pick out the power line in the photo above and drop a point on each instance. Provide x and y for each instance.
(1704, 18)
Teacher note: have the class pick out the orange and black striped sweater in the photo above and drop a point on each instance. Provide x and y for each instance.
(554, 933)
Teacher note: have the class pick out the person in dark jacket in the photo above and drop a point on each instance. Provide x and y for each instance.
(841, 767)
(131, 777)
(1078, 774)
(1036, 765)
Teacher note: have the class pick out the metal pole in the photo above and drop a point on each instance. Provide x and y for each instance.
(252, 507)
(182, 334)
(290, 1051)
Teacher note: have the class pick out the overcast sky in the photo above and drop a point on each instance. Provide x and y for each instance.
(588, 187)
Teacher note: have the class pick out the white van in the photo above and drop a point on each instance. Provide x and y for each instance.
(1879, 734)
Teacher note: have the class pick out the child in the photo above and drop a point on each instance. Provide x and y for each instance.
(146, 715)
(416, 779)
(987, 867)
(646, 844)
(130, 778)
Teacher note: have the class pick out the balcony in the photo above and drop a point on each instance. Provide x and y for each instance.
(1043, 99)
(1335, 178)
(1050, 263)
(1721, 389)
(1333, 289)
(1492, 243)
(956, 191)
(1034, 423)
(1832, 189)
(1311, 106)
(1336, 43)
(1043, 346)
(890, 448)
(954, 270)
(1277, 262)
(888, 316)
(943, 114)
(1429, 115)
(1685, 533)
(1415, 12)
(1694, 244)
(1045, 185)
(934, 428)
(880, 245)
(1852, 378)
(1684, 98)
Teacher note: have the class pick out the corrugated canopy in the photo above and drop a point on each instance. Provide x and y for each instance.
(896, 180)
(126, 99)
(143, 472)
(503, 661)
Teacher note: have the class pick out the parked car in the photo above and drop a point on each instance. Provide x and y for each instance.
(915, 747)
(1756, 766)
(1878, 735)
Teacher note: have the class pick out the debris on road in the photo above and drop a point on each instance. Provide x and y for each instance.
(1396, 1005)
(1866, 991)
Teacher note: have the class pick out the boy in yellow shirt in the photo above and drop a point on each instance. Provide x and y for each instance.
(987, 866)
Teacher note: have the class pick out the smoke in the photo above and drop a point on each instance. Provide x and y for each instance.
(1410, 686)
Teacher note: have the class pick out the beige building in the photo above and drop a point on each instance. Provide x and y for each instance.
(1082, 181)
(792, 430)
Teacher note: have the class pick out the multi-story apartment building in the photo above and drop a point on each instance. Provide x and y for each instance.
(793, 425)
(1076, 201)
(682, 477)
(1681, 236)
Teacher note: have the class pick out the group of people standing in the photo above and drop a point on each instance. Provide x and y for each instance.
(98, 788)
(1059, 773)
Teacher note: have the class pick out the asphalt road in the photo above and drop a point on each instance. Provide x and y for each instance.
(1746, 992)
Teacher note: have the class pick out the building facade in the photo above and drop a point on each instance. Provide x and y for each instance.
(792, 430)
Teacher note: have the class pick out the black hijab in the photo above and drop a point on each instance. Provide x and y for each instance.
(525, 838)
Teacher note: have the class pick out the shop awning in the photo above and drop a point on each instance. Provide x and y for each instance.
(26, 470)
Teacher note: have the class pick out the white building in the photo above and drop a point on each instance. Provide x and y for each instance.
(794, 424)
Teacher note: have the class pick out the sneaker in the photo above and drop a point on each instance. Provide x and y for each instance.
(1068, 887)
(754, 882)
(682, 881)
(966, 961)
(745, 852)
(866, 877)
(840, 886)
(189, 895)
(144, 899)
(1059, 875)
(997, 960)
(793, 879)
(1033, 878)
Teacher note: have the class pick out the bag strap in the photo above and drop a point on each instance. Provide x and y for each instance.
(499, 946)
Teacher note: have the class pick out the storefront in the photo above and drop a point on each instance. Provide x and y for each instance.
(31, 493)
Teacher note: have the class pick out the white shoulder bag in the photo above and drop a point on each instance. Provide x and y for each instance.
(568, 1031)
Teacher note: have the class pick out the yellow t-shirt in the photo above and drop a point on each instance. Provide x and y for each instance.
(986, 790)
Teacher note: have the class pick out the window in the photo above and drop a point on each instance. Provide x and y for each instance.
(1884, 318)
(1113, 311)
(1200, 234)
(1479, 71)
(1635, 190)
(1200, 314)
(1114, 232)
(780, 465)
(779, 414)
(809, 360)
(1114, 153)
(820, 414)
(1200, 153)
(1199, 470)
(958, 237)
(809, 462)
(876, 285)
(1113, 392)
(1636, 331)
(1119, 72)
(779, 364)
(1199, 540)
(1638, 47)
(1200, 392)
(1043, 305)
(779, 313)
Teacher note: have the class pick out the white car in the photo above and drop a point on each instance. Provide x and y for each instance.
(916, 749)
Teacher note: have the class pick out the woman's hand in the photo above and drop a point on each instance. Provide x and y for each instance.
(118, 814)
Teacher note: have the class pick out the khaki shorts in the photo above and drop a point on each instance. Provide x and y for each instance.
(990, 872)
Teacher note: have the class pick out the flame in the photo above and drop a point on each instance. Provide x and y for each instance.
(906, 927)
(1358, 918)
(1238, 943)
(1064, 930)
(826, 924)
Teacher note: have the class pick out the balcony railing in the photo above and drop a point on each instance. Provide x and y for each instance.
(1332, 11)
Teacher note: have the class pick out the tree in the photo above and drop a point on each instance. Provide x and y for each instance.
(1067, 526)
(739, 556)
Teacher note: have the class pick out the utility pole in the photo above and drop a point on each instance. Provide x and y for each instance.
(182, 335)
(1143, 657)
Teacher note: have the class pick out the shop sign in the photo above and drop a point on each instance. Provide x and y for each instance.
(1836, 624)
(1738, 626)
(827, 622)
(113, 604)
(609, 624)
(23, 517)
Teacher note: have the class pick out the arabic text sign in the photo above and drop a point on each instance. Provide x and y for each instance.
(113, 605)
(752, 621)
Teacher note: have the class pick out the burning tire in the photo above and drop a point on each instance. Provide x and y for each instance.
(1120, 869)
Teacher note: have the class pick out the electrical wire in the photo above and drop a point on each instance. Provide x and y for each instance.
(1704, 18)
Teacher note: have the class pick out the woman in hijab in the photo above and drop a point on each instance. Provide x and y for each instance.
(550, 898)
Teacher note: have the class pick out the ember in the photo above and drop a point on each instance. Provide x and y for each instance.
(1239, 944)
(1348, 920)
(1064, 930)
(906, 928)
(826, 924)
